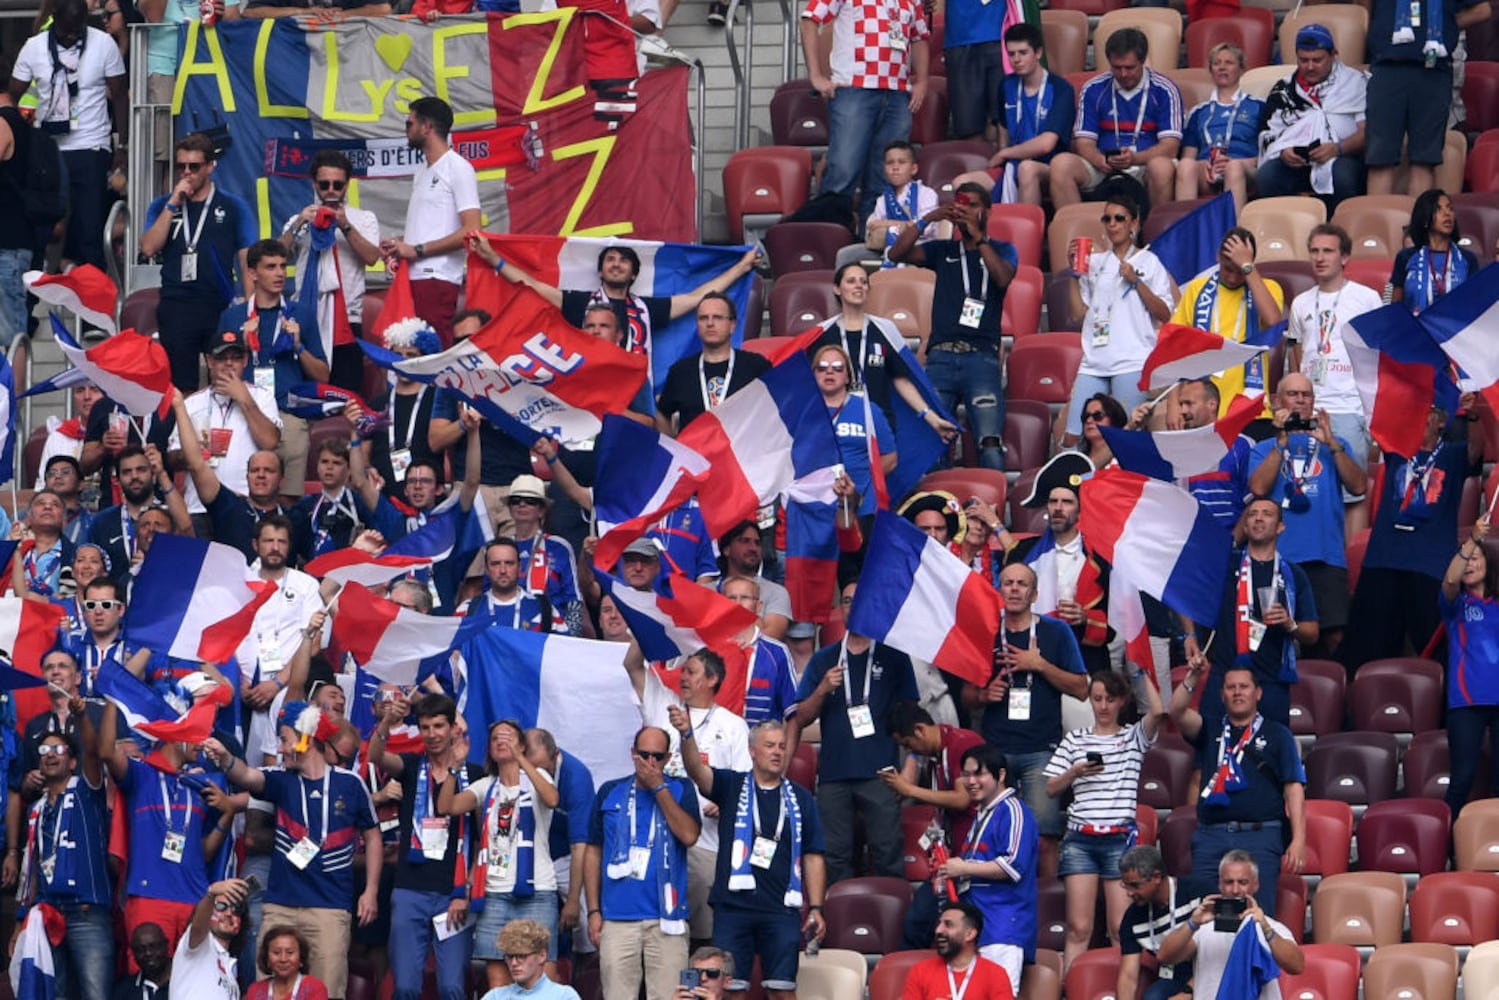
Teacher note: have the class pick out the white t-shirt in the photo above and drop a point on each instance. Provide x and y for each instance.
(501, 876)
(279, 624)
(440, 192)
(1117, 309)
(209, 411)
(58, 443)
(88, 113)
(1324, 356)
(349, 270)
(206, 972)
(722, 738)
(1212, 955)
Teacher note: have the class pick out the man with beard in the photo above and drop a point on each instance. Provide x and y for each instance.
(115, 530)
(443, 210)
(957, 966)
(204, 963)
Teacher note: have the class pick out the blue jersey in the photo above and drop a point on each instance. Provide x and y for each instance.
(522, 612)
(1316, 533)
(561, 570)
(332, 812)
(852, 426)
(575, 793)
(1053, 109)
(166, 814)
(1472, 649)
(286, 367)
(1138, 120)
(771, 693)
(70, 841)
(1005, 834)
(625, 897)
(1235, 127)
(688, 547)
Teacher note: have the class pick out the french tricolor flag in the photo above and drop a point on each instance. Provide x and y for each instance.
(1173, 455)
(1185, 352)
(421, 549)
(1462, 323)
(85, 291)
(760, 441)
(389, 641)
(1400, 372)
(1176, 552)
(642, 474)
(147, 712)
(28, 629)
(918, 597)
(129, 368)
(194, 600)
(677, 618)
(32, 975)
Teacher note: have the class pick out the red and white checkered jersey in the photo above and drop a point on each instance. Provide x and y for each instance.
(863, 55)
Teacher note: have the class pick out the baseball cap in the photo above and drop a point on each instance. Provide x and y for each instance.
(643, 546)
(225, 340)
(1314, 36)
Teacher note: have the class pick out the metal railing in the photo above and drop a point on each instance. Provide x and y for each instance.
(743, 66)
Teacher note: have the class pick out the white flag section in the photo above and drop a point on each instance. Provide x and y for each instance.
(576, 689)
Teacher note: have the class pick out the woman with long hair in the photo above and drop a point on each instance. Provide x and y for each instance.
(1434, 264)
(1100, 410)
(1471, 615)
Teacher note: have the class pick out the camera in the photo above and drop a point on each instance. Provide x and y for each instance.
(1296, 422)
(1227, 914)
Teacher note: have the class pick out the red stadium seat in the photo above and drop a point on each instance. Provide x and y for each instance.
(1042, 368)
(1371, 272)
(1395, 703)
(798, 115)
(1456, 908)
(1025, 520)
(1331, 973)
(1051, 914)
(1329, 834)
(1057, 318)
(1375, 223)
(1401, 666)
(1293, 276)
(1481, 96)
(1412, 970)
(139, 311)
(1163, 216)
(1166, 773)
(764, 184)
(1175, 840)
(903, 295)
(913, 826)
(1027, 433)
(866, 914)
(1093, 975)
(1093, 8)
(1407, 836)
(1475, 836)
(1478, 219)
(753, 320)
(888, 980)
(1330, 669)
(1252, 29)
(1364, 909)
(1021, 316)
(986, 484)
(1482, 171)
(1148, 824)
(942, 161)
(1066, 39)
(803, 766)
(1427, 765)
(1040, 982)
(800, 301)
(1290, 903)
(1357, 768)
(805, 246)
(1024, 226)
(929, 122)
(369, 316)
(1316, 705)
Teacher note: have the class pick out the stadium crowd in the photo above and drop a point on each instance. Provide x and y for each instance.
(328, 826)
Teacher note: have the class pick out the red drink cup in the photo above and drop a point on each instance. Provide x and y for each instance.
(1083, 252)
(208, 13)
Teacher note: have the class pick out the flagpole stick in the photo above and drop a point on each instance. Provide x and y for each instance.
(1157, 401)
(1492, 499)
(1209, 644)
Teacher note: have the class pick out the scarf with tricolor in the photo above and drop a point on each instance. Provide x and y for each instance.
(671, 873)
(1429, 276)
(1408, 19)
(64, 855)
(507, 825)
(1284, 583)
(746, 829)
(331, 308)
(1204, 308)
(637, 320)
(1229, 777)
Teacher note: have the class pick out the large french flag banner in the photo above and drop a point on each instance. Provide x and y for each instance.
(1173, 455)
(576, 689)
(194, 600)
(1169, 546)
(530, 372)
(1185, 352)
(1400, 373)
(28, 629)
(7, 420)
(679, 617)
(1189, 246)
(32, 975)
(918, 597)
(642, 474)
(85, 291)
(760, 441)
(147, 712)
(129, 368)
(666, 269)
(1462, 323)
(1127, 619)
(812, 546)
(389, 641)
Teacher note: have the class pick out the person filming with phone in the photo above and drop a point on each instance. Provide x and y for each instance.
(1212, 935)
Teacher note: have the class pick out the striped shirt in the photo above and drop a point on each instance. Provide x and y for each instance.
(1107, 799)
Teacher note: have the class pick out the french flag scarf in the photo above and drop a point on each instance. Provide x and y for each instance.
(747, 830)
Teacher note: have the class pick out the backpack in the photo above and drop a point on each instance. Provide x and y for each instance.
(44, 192)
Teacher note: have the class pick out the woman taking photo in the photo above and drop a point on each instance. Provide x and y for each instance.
(1101, 764)
(1471, 616)
(1122, 294)
(282, 955)
(513, 807)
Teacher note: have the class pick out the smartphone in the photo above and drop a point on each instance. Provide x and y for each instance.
(1227, 914)
(252, 883)
(1094, 757)
(1301, 151)
(690, 979)
(887, 769)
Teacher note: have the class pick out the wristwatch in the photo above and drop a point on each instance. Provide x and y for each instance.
(1248, 268)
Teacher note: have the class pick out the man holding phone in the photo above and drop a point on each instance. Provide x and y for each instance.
(1211, 934)
(708, 975)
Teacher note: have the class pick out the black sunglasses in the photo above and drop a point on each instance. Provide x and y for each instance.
(1095, 415)
(1106, 219)
(191, 167)
(652, 754)
(526, 501)
(709, 973)
(332, 185)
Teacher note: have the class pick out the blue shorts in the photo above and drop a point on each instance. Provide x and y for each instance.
(1090, 854)
(499, 910)
(745, 933)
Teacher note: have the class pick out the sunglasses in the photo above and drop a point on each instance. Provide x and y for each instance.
(191, 167)
(709, 973)
(525, 502)
(1106, 219)
(1095, 415)
(332, 185)
(830, 366)
(652, 754)
(52, 750)
(104, 605)
(224, 906)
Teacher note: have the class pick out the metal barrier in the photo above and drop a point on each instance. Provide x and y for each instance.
(743, 67)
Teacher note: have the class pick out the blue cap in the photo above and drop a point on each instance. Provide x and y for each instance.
(1314, 36)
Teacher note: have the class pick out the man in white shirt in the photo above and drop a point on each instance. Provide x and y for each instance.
(231, 417)
(443, 210)
(78, 71)
(1315, 332)
(203, 967)
(340, 268)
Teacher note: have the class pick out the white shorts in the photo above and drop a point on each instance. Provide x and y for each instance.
(1011, 957)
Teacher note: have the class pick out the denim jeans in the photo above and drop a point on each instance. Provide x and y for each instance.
(412, 934)
(974, 380)
(1125, 389)
(861, 122)
(1276, 179)
(1210, 843)
(85, 961)
(1465, 728)
(13, 264)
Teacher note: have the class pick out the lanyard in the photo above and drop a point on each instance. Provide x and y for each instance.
(1247, 592)
(1438, 275)
(1155, 937)
(192, 241)
(167, 805)
(963, 265)
(1228, 125)
(224, 409)
(856, 377)
(848, 694)
(755, 810)
(306, 819)
(56, 823)
(1035, 131)
(416, 406)
(1327, 321)
(709, 402)
(1288, 467)
(1004, 628)
(704, 724)
(650, 840)
(976, 832)
(253, 314)
(1139, 115)
(514, 609)
(952, 987)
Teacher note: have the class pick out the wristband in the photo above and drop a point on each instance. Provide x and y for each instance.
(346, 228)
(421, 249)
(1193, 925)
(552, 460)
(923, 413)
(174, 209)
(657, 790)
(592, 912)
(280, 684)
(499, 265)
(815, 906)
